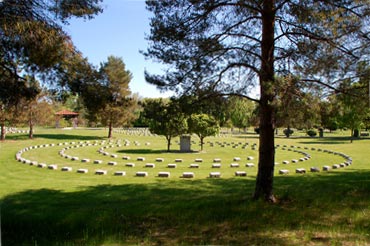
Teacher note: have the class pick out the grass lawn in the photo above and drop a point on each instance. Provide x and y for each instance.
(40, 206)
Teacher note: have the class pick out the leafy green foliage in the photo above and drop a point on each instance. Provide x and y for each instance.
(312, 133)
(203, 126)
(228, 47)
(115, 106)
(165, 118)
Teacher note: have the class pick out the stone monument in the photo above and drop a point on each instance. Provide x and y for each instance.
(185, 143)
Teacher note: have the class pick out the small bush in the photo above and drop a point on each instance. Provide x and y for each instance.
(257, 130)
(312, 133)
(288, 132)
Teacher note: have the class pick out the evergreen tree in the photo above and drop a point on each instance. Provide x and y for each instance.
(229, 47)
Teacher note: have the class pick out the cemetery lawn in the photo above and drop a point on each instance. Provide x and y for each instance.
(39, 206)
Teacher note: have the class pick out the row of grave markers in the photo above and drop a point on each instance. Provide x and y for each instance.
(216, 161)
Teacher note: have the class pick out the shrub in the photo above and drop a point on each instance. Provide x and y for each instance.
(312, 133)
(288, 132)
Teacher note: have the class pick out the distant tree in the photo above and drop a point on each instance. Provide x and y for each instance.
(119, 105)
(241, 110)
(330, 113)
(12, 92)
(165, 119)
(354, 107)
(30, 107)
(203, 126)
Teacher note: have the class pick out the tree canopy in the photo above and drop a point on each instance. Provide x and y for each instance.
(165, 118)
(118, 103)
(229, 47)
(203, 126)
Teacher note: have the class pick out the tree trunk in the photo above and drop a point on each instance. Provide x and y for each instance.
(168, 143)
(2, 137)
(288, 132)
(110, 129)
(265, 175)
(201, 143)
(30, 134)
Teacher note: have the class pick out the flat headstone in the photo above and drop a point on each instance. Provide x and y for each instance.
(53, 167)
(140, 159)
(119, 173)
(198, 160)
(112, 163)
(217, 160)
(314, 169)
(159, 159)
(326, 168)
(285, 162)
(164, 174)
(240, 173)
(98, 162)
(336, 166)
(42, 165)
(214, 174)
(130, 164)
(101, 172)
(234, 165)
(141, 174)
(85, 160)
(188, 175)
(249, 158)
(216, 165)
(300, 170)
(82, 170)
(178, 160)
(66, 169)
(294, 161)
(249, 165)
(194, 166)
(171, 165)
(283, 171)
(342, 165)
(236, 159)
(114, 155)
(150, 165)
(126, 157)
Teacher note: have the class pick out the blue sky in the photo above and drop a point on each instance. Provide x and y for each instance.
(120, 31)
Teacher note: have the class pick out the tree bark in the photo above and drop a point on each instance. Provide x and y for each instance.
(201, 143)
(265, 175)
(2, 137)
(110, 129)
(30, 124)
(168, 143)
(30, 134)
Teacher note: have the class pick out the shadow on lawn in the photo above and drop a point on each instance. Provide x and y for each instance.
(185, 212)
(331, 140)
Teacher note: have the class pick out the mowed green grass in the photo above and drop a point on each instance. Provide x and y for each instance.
(51, 207)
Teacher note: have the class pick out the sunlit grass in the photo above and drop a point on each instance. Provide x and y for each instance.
(47, 207)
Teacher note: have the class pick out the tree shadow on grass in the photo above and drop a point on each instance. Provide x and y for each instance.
(331, 140)
(187, 212)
